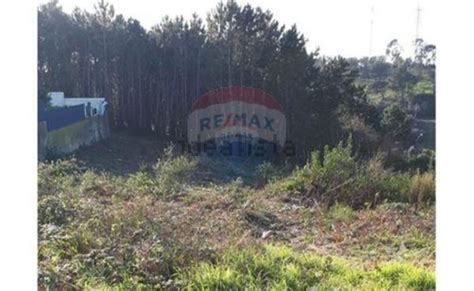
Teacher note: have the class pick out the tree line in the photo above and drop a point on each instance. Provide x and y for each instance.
(151, 77)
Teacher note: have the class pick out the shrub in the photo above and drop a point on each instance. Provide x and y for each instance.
(142, 183)
(396, 122)
(336, 176)
(365, 138)
(267, 172)
(296, 182)
(330, 175)
(375, 184)
(340, 213)
(173, 173)
(423, 161)
(322, 171)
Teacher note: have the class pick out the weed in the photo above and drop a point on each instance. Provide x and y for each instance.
(336, 176)
(267, 172)
(52, 209)
(340, 213)
(422, 188)
(173, 172)
(142, 183)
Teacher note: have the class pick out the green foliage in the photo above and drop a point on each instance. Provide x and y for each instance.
(267, 172)
(422, 161)
(336, 176)
(340, 213)
(90, 53)
(142, 182)
(60, 168)
(106, 232)
(393, 79)
(57, 176)
(337, 167)
(52, 209)
(279, 268)
(296, 182)
(173, 173)
(424, 87)
(396, 122)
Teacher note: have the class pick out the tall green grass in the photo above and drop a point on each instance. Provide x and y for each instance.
(173, 173)
(279, 268)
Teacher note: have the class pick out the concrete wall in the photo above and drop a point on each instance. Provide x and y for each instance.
(42, 140)
(97, 103)
(70, 138)
(57, 99)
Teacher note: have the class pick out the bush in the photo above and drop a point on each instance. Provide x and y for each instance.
(340, 213)
(326, 176)
(423, 161)
(365, 138)
(333, 167)
(173, 173)
(267, 172)
(142, 183)
(397, 123)
(336, 176)
(375, 184)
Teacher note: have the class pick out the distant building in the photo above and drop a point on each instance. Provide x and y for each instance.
(65, 124)
(92, 105)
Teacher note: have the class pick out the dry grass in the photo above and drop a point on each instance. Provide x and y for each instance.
(100, 230)
(422, 188)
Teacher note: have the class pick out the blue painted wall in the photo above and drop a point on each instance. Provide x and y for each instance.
(57, 118)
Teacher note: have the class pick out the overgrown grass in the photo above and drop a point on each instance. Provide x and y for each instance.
(103, 231)
(335, 175)
(422, 187)
(173, 173)
(340, 213)
(279, 268)
(268, 172)
(95, 230)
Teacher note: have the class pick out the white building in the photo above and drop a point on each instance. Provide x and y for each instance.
(97, 105)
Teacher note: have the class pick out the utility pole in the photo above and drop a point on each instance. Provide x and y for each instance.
(371, 37)
(418, 21)
(417, 31)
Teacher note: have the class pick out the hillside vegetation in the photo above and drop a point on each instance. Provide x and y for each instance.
(183, 222)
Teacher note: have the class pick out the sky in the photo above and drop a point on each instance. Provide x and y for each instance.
(337, 27)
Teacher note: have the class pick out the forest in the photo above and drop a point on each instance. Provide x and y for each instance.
(151, 78)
